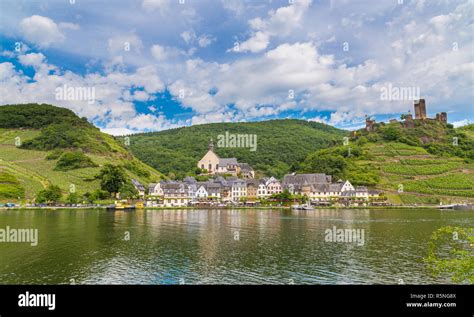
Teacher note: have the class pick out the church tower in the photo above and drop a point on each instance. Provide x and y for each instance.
(210, 147)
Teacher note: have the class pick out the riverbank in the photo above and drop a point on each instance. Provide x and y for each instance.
(227, 207)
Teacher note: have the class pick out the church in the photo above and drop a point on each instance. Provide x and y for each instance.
(216, 165)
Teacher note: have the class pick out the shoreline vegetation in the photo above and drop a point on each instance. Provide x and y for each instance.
(104, 207)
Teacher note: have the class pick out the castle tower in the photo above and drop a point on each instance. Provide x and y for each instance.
(369, 124)
(442, 117)
(408, 123)
(420, 109)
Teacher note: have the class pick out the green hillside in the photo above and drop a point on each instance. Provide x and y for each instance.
(430, 163)
(281, 145)
(42, 145)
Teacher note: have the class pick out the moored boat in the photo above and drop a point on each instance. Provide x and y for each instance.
(464, 207)
(121, 205)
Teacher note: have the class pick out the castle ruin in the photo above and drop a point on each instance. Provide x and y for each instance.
(420, 109)
(369, 124)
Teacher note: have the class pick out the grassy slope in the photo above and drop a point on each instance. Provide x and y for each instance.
(280, 144)
(423, 177)
(33, 172)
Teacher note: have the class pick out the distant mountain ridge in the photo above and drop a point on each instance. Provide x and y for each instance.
(280, 145)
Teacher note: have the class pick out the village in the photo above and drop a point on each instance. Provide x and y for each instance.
(233, 183)
(239, 187)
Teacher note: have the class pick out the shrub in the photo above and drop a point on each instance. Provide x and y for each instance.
(73, 160)
(54, 155)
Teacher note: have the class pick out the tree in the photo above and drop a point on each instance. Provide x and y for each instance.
(73, 160)
(112, 178)
(450, 253)
(97, 194)
(128, 191)
(49, 195)
(323, 162)
(391, 134)
(285, 195)
(72, 198)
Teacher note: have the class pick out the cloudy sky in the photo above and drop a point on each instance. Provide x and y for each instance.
(159, 64)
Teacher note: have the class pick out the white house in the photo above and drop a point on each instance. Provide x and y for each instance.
(175, 194)
(155, 189)
(347, 186)
(273, 186)
(262, 189)
(239, 189)
(201, 193)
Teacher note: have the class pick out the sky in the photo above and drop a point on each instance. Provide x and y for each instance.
(150, 65)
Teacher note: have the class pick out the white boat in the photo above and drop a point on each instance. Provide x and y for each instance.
(458, 207)
(302, 207)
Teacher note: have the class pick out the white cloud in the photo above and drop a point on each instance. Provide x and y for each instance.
(257, 43)
(118, 131)
(41, 30)
(32, 59)
(205, 40)
(69, 26)
(113, 92)
(280, 22)
(235, 6)
(125, 43)
(190, 38)
(300, 48)
(163, 53)
(461, 123)
(155, 5)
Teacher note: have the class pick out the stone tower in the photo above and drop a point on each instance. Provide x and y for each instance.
(408, 123)
(420, 109)
(369, 124)
(442, 117)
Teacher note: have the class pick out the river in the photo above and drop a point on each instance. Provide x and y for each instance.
(222, 246)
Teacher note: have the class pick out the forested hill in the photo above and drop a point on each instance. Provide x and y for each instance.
(43, 145)
(281, 145)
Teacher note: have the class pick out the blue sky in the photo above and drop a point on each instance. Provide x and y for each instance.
(159, 64)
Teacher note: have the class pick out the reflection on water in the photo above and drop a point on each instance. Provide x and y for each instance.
(221, 246)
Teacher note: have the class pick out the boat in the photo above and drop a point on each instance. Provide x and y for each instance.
(302, 207)
(446, 207)
(121, 205)
(458, 207)
(464, 207)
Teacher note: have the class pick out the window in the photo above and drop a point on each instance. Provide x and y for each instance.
(202, 166)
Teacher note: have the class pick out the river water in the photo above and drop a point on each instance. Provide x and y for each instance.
(222, 246)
